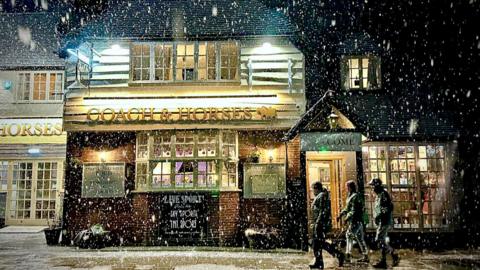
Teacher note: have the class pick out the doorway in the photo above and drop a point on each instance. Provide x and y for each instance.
(329, 172)
(33, 192)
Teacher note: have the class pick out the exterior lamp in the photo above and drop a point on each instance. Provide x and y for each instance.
(103, 156)
(267, 45)
(270, 155)
(333, 120)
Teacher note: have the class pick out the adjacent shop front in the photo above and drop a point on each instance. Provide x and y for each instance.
(32, 154)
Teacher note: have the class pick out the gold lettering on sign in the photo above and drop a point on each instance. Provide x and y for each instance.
(181, 114)
(28, 129)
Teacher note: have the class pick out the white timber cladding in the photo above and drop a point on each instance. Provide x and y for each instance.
(270, 74)
(273, 62)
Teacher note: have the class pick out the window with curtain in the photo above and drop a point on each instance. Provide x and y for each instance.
(360, 72)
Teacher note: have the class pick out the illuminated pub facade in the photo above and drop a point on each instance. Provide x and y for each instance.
(187, 124)
(175, 121)
(32, 142)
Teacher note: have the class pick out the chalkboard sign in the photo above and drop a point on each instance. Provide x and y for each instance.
(183, 215)
(103, 180)
(265, 180)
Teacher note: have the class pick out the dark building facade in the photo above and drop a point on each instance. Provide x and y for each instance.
(187, 122)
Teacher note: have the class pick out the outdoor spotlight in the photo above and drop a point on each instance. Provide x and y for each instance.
(103, 156)
(270, 155)
(267, 45)
(116, 47)
(33, 151)
(333, 120)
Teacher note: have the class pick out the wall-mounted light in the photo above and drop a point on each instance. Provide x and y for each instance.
(333, 120)
(267, 45)
(102, 156)
(270, 154)
(116, 47)
(33, 151)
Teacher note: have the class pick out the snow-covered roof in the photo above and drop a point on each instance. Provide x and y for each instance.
(194, 19)
(28, 40)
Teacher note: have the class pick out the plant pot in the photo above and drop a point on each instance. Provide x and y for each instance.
(52, 236)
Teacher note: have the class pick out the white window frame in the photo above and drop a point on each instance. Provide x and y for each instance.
(31, 87)
(196, 60)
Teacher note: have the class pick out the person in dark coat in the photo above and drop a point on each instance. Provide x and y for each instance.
(322, 224)
(353, 213)
(382, 214)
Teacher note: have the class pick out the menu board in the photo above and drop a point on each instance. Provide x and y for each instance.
(265, 180)
(183, 215)
(103, 180)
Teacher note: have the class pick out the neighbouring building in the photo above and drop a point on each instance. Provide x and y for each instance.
(32, 141)
(175, 115)
(364, 128)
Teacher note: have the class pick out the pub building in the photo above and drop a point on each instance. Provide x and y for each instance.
(32, 142)
(175, 114)
(187, 123)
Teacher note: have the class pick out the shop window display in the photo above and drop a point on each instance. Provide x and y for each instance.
(414, 199)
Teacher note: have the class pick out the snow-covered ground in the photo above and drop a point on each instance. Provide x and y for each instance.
(29, 251)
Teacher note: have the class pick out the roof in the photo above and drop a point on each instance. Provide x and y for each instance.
(150, 19)
(358, 43)
(28, 40)
(379, 118)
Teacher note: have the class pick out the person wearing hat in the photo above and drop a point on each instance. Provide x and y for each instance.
(382, 214)
(353, 213)
(322, 216)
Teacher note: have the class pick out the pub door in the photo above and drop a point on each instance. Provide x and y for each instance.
(328, 172)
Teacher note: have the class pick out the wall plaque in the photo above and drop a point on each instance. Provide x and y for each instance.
(103, 180)
(265, 180)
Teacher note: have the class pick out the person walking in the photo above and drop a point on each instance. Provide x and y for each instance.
(382, 214)
(353, 213)
(322, 224)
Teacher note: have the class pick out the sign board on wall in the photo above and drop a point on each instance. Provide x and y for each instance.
(103, 180)
(266, 180)
(182, 215)
(31, 131)
(331, 141)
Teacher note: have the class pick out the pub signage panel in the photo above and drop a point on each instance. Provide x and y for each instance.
(264, 180)
(103, 180)
(182, 215)
(326, 141)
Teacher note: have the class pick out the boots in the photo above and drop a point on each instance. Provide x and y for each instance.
(395, 259)
(317, 264)
(341, 259)
(348, 258)
(382, 264)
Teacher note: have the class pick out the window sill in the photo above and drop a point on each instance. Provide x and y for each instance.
(180, 83)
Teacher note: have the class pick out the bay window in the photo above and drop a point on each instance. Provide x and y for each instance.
(184, 61)
(415, 179)
(179, 160)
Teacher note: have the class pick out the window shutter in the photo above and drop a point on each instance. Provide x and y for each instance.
(344, 74)
(374, 73)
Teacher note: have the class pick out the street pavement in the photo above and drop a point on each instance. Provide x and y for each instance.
(29, 251)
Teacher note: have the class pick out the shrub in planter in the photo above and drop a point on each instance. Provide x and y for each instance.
(52, 235)
(262, 238)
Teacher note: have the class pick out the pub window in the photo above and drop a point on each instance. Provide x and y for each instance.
(184, 61)
(186, 160)
(141, 62)
(3, 175)
(229, 61)
(360, 72)
(185, 64)
(415, 200)
(39, 86)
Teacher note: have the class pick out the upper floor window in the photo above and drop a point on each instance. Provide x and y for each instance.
(184, 61)
(39, 86)
(360, 72)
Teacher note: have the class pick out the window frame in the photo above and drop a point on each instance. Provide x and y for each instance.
(374, 65)
(417, 186)
(174, 68)
(31, 86)
(153, 161)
